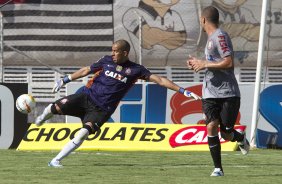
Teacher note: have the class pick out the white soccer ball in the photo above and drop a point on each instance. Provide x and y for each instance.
(25, 103)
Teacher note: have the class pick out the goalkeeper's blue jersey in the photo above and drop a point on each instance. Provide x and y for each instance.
(111, 81)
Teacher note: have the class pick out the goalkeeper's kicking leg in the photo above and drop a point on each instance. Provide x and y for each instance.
(78, 105)
(47, 114)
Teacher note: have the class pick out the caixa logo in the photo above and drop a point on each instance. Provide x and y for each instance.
(193, 135)
(13, 124)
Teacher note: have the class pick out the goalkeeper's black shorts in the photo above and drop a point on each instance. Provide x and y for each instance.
(80, 105)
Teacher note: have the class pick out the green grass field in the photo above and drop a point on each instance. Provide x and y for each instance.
(260, 166)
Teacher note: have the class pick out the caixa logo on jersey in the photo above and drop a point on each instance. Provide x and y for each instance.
(193, 135)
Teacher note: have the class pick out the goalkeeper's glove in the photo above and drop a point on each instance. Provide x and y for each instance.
(189, 94)
(60, 83)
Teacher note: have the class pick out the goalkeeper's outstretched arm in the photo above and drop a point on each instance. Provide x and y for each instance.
(68, 78)
(82, 72)
(162, 81)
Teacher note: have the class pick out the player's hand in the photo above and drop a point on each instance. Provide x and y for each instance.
(196, 64)
(57, 86)
(60, 83)
(189, 94)
(189, 66)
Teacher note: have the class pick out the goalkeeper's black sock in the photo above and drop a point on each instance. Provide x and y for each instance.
(237, 136)
(215, 150)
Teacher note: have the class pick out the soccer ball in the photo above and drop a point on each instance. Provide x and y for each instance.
(25, 103)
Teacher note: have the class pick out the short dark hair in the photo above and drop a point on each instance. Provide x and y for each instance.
(124, 45)
(211, 14)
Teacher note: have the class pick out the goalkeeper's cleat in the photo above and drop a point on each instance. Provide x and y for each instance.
(217, 172)
(244, 145)
(55, 163)
(47, 114)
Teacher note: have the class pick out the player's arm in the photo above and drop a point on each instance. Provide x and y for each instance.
(80, 73)
(198, 64)
(162, 81)
(226, 62)
(76, 75)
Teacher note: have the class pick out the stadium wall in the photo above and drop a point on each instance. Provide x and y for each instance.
(63, 33)
(13, 124)
(151, 104)
(142, 107)
(58, 33)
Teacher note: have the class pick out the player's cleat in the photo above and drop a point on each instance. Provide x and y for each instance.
(55, 163)
(43, 117)
(217, 172)
(244, 145)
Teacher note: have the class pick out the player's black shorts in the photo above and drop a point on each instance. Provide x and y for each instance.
(224, 109)
(80, 105)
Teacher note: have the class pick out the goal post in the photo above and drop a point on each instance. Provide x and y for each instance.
(258, 73)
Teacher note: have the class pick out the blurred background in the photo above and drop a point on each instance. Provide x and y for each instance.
(43, 40)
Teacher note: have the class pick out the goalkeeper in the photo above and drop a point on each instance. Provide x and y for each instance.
(114, 76)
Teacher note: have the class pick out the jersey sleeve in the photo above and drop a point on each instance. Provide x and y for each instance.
(144, 73)
(224, 45)
(98, 65)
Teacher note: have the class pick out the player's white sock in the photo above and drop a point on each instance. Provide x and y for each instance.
(72, 144)
(46, 114)
(47, 111)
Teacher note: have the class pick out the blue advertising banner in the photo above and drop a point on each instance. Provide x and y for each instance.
(148, 103)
